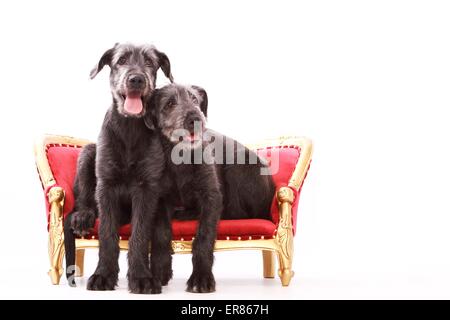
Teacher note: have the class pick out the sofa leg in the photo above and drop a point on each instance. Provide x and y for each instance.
(268, 263)
(56, 234)
(285, 269)
(79, 262)
(285, 236)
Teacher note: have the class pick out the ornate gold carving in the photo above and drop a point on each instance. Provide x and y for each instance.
(182, 246)
(285, 195)
(56, 233)
(285, 236)
(185, 246)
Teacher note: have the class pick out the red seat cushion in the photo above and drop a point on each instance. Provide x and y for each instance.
(63, 162)
(227, 229)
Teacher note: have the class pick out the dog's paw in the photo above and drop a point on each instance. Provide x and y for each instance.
(99, 282)
(166, 276)
(82, 222)
(201, 283)
(144, 285)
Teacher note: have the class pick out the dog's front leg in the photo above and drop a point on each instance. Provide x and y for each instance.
(140, 280)
(161, 244)
(106, 275)
(202, 278)
(82, 219)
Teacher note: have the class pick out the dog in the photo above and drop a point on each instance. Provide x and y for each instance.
(124, 169)
(209, 189)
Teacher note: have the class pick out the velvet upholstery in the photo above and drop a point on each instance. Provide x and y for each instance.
(63, 163)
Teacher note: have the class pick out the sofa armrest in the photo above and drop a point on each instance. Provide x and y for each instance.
(51, 176)
(40, 153)
(295, 168)
(303, 163)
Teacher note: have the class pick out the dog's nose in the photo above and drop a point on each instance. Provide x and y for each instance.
(136, 81)
(191, 119)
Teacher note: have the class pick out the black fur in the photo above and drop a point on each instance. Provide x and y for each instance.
(136, 181)
(128, 168)
(128, 165)
(85, 211)
(209, 192)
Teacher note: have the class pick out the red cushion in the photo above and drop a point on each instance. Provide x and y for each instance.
(63, 162)
(227, 229)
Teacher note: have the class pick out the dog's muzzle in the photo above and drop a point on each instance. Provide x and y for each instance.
(193, 122)
(133, 97)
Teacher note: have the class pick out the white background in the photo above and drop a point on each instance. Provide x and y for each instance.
(368, 81)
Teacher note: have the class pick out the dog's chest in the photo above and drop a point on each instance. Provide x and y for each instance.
(183, 180)
(144, 162)
(131, 162)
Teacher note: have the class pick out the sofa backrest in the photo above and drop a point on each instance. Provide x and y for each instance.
(63, 163)
(283, 161)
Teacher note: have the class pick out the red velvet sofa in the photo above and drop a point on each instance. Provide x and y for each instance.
(56, 158)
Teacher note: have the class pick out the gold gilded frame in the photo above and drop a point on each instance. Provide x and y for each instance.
(281, 245)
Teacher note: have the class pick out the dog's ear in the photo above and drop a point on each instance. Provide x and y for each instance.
(104, 60)
(149, 120)
(164, 64)
(203, 99)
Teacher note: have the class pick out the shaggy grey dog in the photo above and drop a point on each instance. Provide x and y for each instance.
(129, 163)
(208, 188)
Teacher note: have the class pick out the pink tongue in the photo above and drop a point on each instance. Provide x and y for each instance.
(133, 104)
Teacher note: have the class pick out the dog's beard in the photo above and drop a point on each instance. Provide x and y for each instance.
(191, 145)
(130, 103)
(184, 139)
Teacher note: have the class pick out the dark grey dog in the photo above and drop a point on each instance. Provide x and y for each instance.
(128, 165)
(208, 189)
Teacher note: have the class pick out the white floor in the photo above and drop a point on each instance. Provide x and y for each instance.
(334, 259)
(242, 280)
(238, 276)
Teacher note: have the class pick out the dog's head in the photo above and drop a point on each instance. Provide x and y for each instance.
(133, 75)
(179, 112)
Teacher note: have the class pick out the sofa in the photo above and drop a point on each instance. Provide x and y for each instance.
(56, 160)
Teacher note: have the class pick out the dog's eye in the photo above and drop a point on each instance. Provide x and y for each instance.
(193, 98)
(148, 62)
(170, 104)
(122, 60)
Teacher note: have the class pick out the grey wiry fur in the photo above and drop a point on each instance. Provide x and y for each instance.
(208, 192)
(133, 177)
(128, 165)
